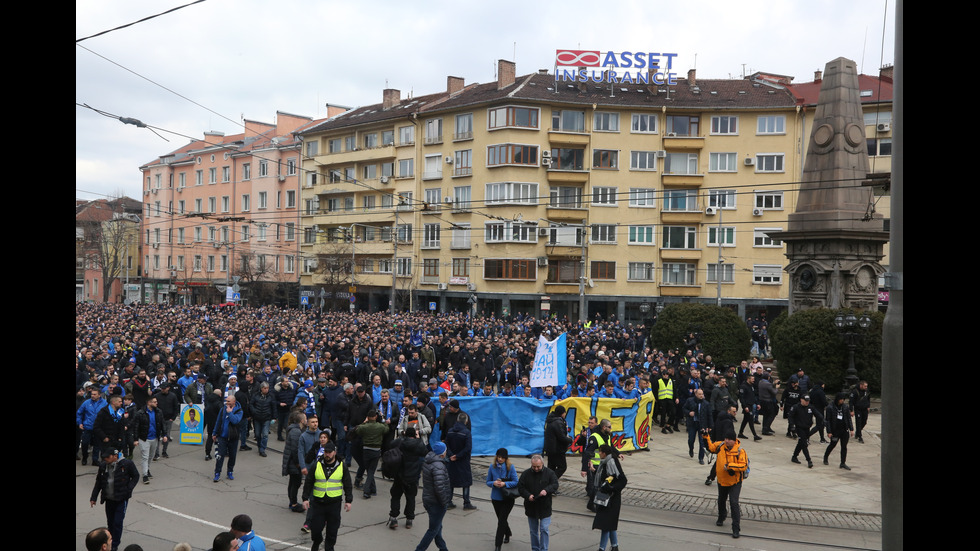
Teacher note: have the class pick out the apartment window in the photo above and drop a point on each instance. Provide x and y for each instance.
(263, 199)
(370, 172)
(723, 198)
(568, 121)
(769, 162)
(245, 232)
(181, 206)
(675, 273)
(210, 263)
(603, 233)
(511, 192)
(642, 197)
(430, 270)
(212, 205)
(225, 203)
(433, 198)
(404, 233)
(461, 236)
(765, 274)
(226, 174)
(156, 207)
(433, 167)
(197, 263)
(680, 200)
(156, 235)
(350, 143)
(722, 162)
(403, 267)
(290, 264)
(405, 200)
(310, 265)
(461, 197)
(387, 201)
(461, 267)
(406, 135)
(291, 167)
(212, 234)
(290, 199)
(761, 238)
(199, 177)
(463, 163)
(309, 235)
(224, 263)
(604, 196)
(312, 148)
(384, 266)
(290, 231)
(263, 168)
(681, 163)
(644, 123)
(387, 170)
(682, 125)
(566, 197)
(564, 271)
(605, 158)
(872, 118)
(643, 160)
(641, 235)
(181, 180)
(430, 236)
(510, 268)
(350, 174)
(246, 171)
(246, 202)
(510, 232)
(369, 202)
(371, 140)
(433, 131)
(180, 262)
(464, 127)
(180, 235)
(263, 231)
(335, 145)
(726, 234)
(724, 125)
(679, 237)
(603, 270)
(505, 117)
(198, 234)
(726, 271)
(564, 236)
(605, 122)
(563, 158)
(879, 147)
(771, 124)
(769, 200)
(387, 137)
(512, 154)
(641, 271)
(406, 168)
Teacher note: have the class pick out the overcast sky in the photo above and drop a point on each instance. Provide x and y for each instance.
(235, 59)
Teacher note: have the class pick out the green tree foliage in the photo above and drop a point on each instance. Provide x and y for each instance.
(809, 339)
(723, 335)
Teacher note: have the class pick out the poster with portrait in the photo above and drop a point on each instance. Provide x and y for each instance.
(191, 424)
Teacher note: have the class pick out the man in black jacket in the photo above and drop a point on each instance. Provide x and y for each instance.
(839, 429)
(115, 481)
(750, 403)
(802, 416)
(557, 440)
(149, 432)
(537, 485)
(327, 487)
(263, 407)
(407, 478)
(111, 425)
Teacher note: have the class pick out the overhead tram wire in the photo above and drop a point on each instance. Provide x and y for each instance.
(147, 18)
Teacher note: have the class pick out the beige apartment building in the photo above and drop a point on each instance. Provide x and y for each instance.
(533, 195)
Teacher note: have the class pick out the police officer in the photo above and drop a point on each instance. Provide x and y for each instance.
(801, 416)
(839, 429)
(590, 459)
(328, 487)
(666, 401)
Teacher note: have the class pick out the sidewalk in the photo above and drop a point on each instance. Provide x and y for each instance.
(777, 490)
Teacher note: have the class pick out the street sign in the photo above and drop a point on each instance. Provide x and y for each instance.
(432, 306)
(352, 289)
(353, 299)
(304, 300)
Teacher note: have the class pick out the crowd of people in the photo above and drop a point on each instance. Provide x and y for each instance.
(339, 387)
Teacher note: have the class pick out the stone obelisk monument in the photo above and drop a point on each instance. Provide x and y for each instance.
(834, 246)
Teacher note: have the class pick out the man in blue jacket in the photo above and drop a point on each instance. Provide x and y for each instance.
(85, 419)
(226, 436)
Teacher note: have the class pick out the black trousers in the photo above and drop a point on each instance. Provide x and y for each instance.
(325, 513)
(557, 462)
(843, 439)
(747, 420)
(729, 495)
(803, 444)
(408, 488)
(502, 508)
(292, 489)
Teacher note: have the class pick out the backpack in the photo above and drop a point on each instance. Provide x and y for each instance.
(391, 461)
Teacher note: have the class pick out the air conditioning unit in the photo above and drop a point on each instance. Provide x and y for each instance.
(449, 160)
(156, 245)
(545, 161)
(217, 245)
(442, 286)
(543, 232)
(749, 161)
(180, 190)
(884, 127)
(384, 179)
(146, 192)
(672, 134)
(155, 191)
(542, 261)
(661, 154)
(711, 211)
(282, 178)
(471, 286)
(757, 211)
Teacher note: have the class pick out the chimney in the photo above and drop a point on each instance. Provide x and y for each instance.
(817, 75)
(454, 85)
(691, 80)
(887, 73)
(650, 82)
(506, 73)
(392, 98)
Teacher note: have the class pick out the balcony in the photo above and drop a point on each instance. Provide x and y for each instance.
(680, 254)
(683, 143)
(681, 216)
(357, 155)
(568, 138)
(673, 290)
(682, 180)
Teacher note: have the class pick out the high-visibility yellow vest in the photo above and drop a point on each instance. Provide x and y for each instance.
(665, 392)
(599, 442)
(330, 487)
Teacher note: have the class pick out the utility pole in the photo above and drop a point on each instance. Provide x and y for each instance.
(583, 315)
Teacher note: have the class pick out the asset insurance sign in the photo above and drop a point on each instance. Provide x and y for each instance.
(615, 67)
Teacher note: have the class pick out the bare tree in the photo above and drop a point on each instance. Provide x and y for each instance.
(107, 247)
(335, 270)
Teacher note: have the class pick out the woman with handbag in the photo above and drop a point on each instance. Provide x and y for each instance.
(609, 483)
(502, 479)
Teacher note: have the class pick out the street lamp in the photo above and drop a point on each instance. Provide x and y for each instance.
(846, 326)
